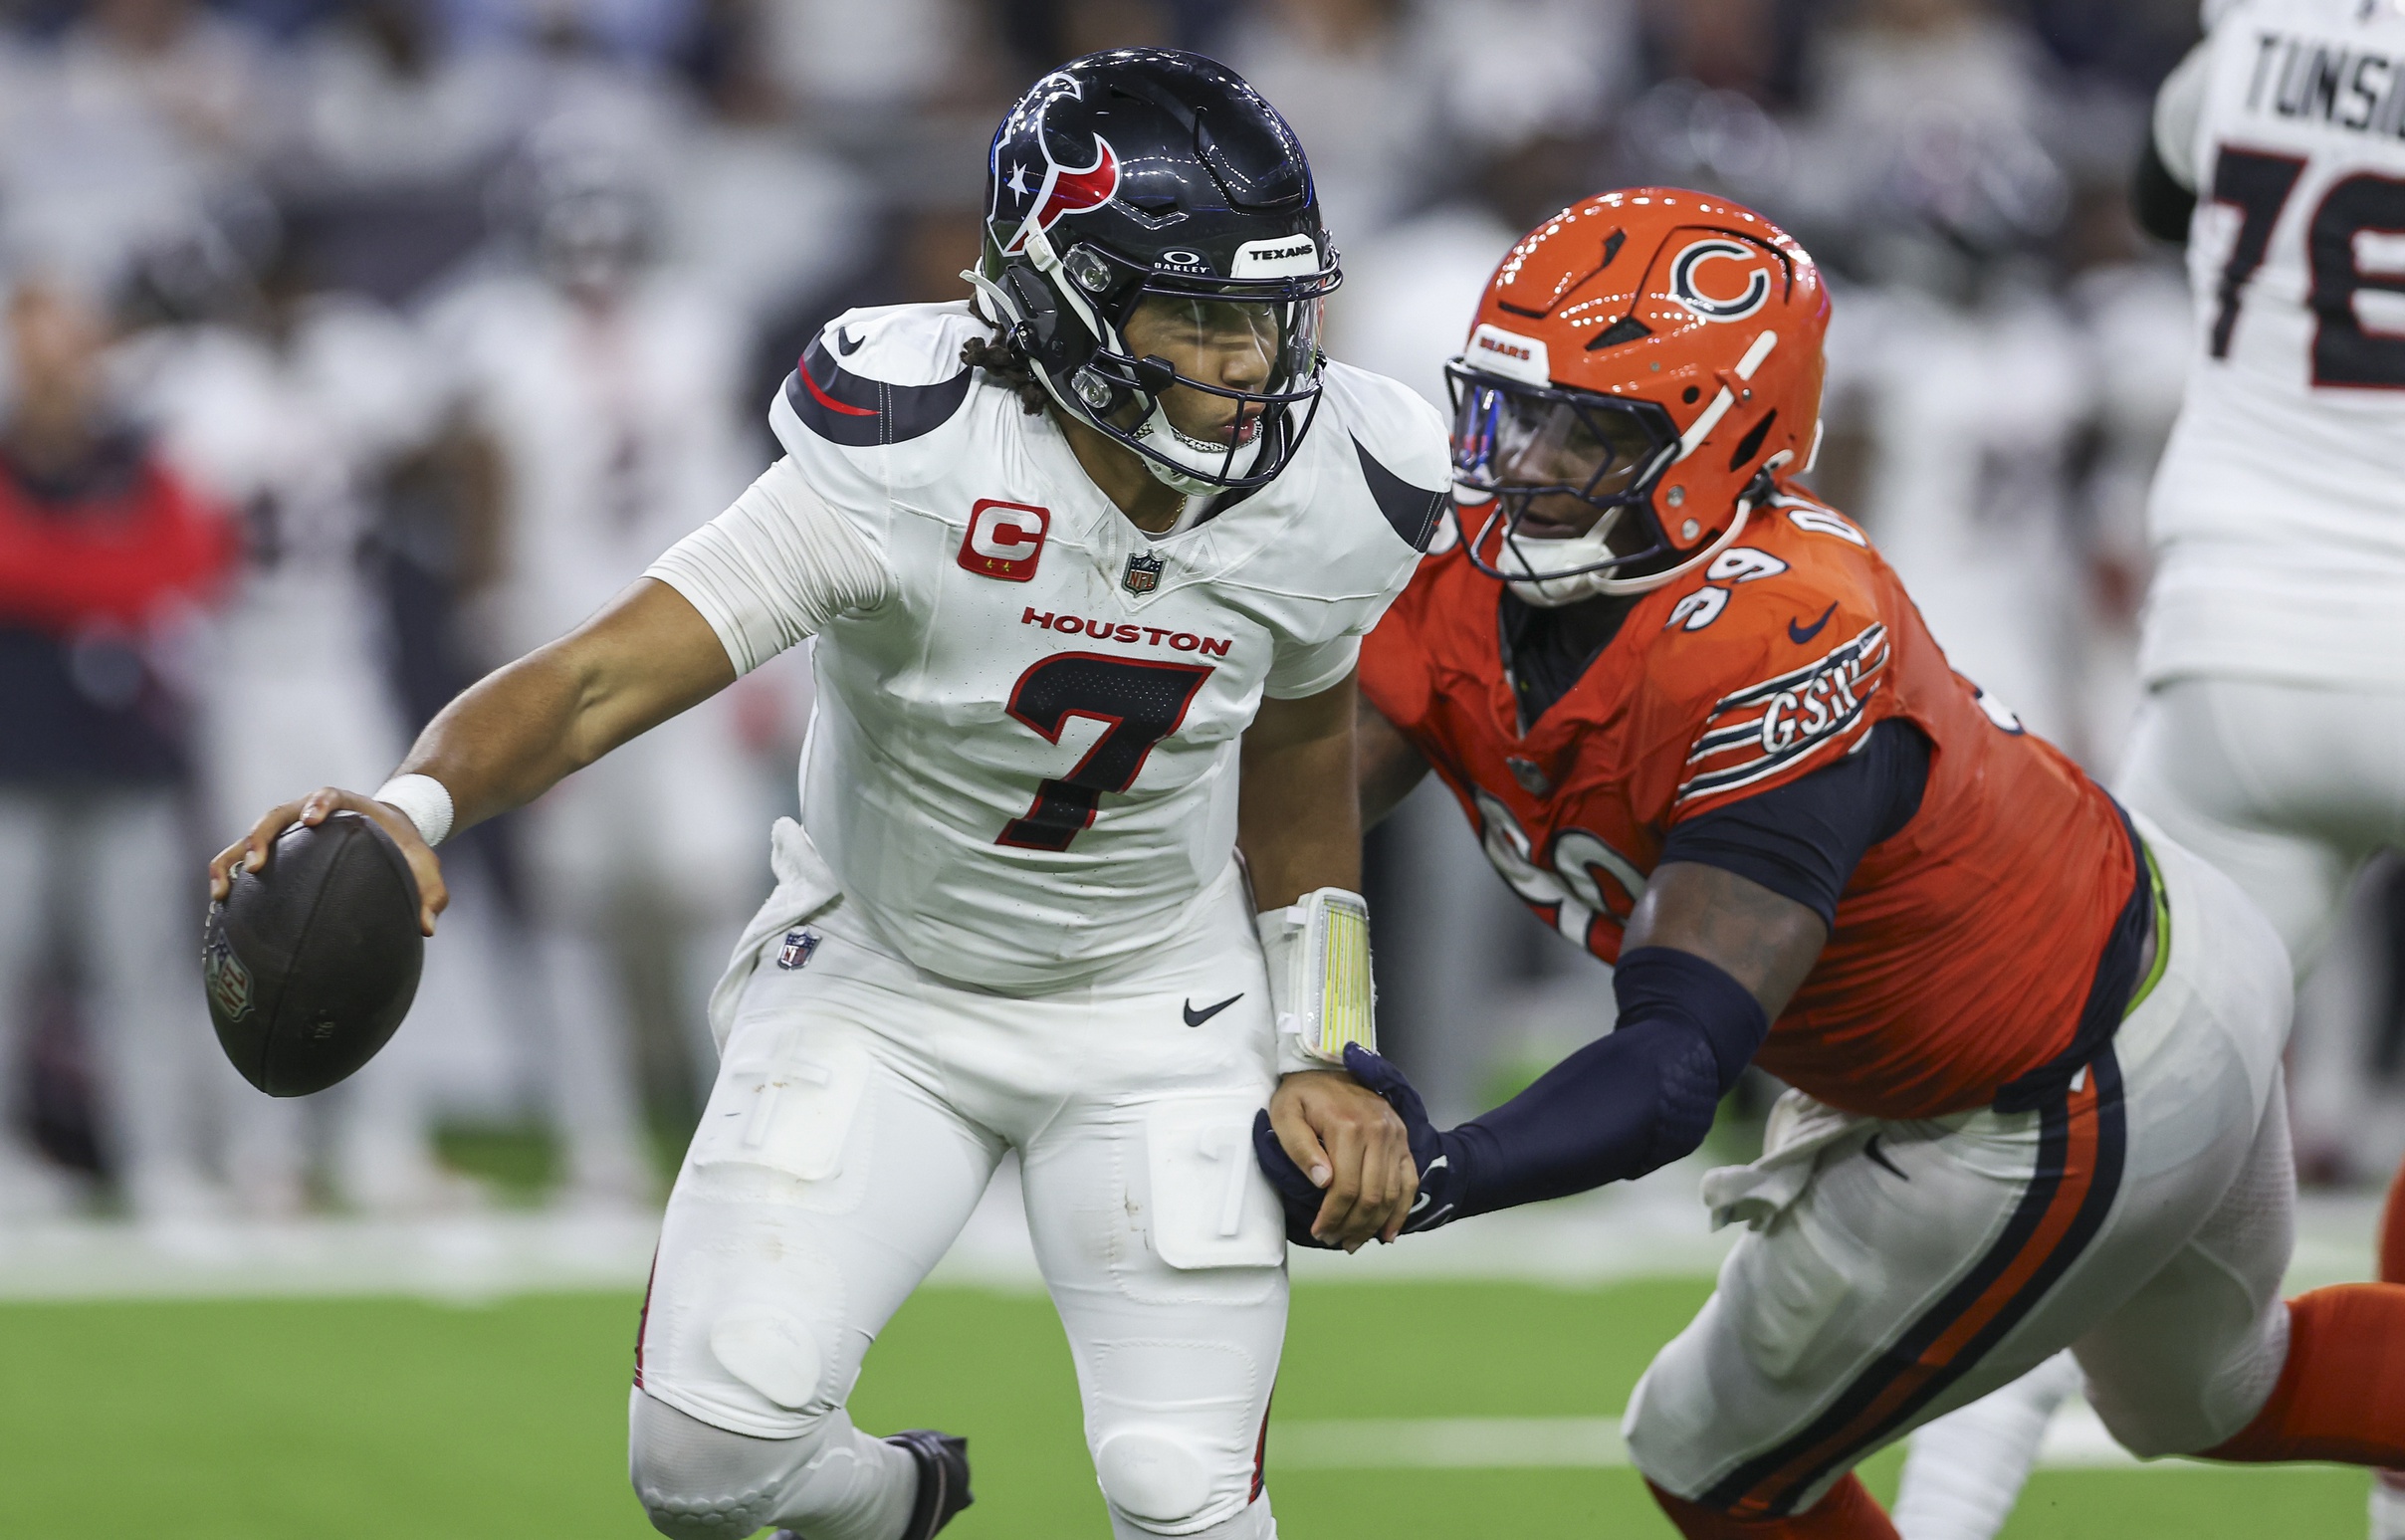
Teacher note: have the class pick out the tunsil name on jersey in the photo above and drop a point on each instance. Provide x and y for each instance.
(2360, 90)
(1127, 631)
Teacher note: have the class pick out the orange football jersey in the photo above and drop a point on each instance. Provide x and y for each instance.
(1965, 945)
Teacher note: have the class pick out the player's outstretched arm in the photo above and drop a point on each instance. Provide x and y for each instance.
(1709, 959)
(1765, 940)
(512, 734)
(1299, 823)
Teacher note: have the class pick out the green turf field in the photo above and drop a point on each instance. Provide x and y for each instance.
(384, 1420)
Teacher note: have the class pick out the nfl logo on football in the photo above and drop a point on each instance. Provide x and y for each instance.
(227, 981)
(797, 949)
(1143, 572)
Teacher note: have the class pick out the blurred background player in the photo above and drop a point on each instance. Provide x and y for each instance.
(2274, 635)
(604, 386)
(105, 556)
(292, 405)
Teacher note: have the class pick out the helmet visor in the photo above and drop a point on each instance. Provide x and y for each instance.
(1518, 438)
(1228, 361)
(1245, 345)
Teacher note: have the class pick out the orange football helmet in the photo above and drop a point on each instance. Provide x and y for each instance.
(1653, 352)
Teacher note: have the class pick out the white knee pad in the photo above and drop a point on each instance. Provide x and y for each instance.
(1157, 1485)
(1153, 1480)
(699, 1482)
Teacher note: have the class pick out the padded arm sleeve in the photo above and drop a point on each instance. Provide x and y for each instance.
(1625, 1104)
(774, 567)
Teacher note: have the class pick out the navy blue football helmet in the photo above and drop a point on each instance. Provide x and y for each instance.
(1147, 175)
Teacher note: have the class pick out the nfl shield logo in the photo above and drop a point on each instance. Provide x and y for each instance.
(227, 981)
(1143, 572)
(796, 951)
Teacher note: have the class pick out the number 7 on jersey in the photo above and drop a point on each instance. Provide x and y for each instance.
(1139, 703)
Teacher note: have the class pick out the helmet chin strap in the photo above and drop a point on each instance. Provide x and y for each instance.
(1162, 437)
(1544, 593)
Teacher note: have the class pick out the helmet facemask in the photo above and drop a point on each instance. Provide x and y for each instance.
(1243, 351)
(1517, 446)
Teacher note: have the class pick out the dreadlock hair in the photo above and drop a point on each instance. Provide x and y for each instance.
(1005, 366)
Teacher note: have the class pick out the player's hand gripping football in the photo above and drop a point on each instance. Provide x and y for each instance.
(250, 852)
(1316, 1120)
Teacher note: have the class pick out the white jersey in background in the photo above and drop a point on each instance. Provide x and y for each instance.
(2273, 639)
(615, 422)
(1023, 767)
(2278, 516)
(294, 428)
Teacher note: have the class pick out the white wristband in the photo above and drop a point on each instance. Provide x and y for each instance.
(425, 800)
(1320, 992)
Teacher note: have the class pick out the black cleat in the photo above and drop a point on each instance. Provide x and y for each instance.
(943, 1462)
(943, 1480)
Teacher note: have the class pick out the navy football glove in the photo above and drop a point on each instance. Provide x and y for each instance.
(1440, 1175)
(1431, 1153)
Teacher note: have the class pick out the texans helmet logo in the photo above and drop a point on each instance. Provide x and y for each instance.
(1032, 189)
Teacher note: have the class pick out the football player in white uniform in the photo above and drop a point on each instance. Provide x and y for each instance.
(2274, 645)
(605, 383)
(292, 419)
(1088, 558)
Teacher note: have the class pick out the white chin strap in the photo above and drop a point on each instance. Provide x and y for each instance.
(1162, 439)
(1544, 589)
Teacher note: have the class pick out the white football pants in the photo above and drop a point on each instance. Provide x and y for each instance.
(860, 1110)
(2286, 789)
(1902, 1269)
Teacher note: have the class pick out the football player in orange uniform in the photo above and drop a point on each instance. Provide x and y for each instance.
(2034, 1045)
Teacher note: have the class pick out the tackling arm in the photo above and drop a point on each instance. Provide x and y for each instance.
(1731, 922)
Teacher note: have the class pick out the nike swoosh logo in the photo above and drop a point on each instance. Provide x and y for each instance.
(1196, 1017)
(1871, 1148)
(1802, 634)
(1421, 1202)
(846, 343)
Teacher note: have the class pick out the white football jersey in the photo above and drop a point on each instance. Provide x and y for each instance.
(616, 429)
(1024, 763)
(2279, 513)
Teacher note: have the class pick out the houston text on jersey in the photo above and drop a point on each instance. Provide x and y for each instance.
(1127, 631)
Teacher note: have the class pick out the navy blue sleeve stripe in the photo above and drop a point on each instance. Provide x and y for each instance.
(1804, 839)
(861, 413)
(1412, 511)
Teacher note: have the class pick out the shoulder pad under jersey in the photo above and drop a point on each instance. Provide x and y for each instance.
(1774, 661)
